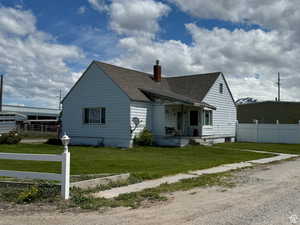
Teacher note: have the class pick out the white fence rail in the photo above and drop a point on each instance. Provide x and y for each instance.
(268, 133)
(64, 177)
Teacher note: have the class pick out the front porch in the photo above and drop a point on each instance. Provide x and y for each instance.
(183, 123)
(183, 120)
(177, 119)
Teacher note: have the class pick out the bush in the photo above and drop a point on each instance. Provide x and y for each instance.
(39, 192)
(28, 195)
(11, 138)
(145, 138)
(54, 141)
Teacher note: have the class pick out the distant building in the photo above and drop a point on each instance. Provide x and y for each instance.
(269, 112)
(13, 117)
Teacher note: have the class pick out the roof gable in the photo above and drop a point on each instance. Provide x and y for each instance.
(194, 86)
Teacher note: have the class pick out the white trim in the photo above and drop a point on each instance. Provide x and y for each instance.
(33, 157)
(208, 126)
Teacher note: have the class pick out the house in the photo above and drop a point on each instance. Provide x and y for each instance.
(110, 105)
(269, 112)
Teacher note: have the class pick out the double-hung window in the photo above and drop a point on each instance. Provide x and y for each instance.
(207, 118)
(95, 115)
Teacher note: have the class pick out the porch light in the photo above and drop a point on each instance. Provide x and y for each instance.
(65, 141)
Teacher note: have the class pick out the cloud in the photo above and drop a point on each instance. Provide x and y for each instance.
(99, 5)
(249, 59)
(35, 66)
(136, 17)
(133, 17)
(81, 10)
(282, 15)
(11, 21)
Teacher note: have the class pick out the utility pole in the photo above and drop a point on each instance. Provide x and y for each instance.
(1, 92)
(59, 103)
(278, 83)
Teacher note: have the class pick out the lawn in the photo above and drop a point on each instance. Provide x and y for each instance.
(269, 147)
(146, 162)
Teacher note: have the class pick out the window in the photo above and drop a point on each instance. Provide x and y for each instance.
(94, 115)
(194, 118)
(207, 117)
(221, 88)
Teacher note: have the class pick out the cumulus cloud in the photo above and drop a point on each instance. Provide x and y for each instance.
(99, 5)
(11, 21)
(137, 17)
(282, 15)
(35, 66)
(133, 17)
(249, 59)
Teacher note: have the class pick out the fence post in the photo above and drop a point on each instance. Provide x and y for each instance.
(236, 130)
(257, 131)
(65, 167)
(65, 184)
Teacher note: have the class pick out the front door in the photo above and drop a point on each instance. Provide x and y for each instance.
(179, 122)
(194, 123)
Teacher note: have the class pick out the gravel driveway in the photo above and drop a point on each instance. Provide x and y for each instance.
(265, 195)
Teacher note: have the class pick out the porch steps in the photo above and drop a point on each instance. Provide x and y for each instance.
(201, 141)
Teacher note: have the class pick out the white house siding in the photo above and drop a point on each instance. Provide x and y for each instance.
(95, 89)
(224, 117)
(141, 110)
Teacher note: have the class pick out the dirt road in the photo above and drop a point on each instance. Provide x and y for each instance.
(266, 195)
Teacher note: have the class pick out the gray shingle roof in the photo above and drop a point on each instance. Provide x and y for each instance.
(190, 88)
(194, 86)
(131, 81)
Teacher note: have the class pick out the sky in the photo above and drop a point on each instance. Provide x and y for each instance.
(45, 46)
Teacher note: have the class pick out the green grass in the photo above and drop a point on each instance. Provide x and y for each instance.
(269, 147)
(143, 162)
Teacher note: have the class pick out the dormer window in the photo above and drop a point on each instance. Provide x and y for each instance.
(221, 88)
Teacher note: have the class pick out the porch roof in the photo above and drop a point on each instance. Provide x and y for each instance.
(171, 96)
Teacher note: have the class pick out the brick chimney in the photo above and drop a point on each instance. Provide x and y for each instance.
(157, 72)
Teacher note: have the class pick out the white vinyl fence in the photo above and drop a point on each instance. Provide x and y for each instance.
(64, 177)
(268, 133)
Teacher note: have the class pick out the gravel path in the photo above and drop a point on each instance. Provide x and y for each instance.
(265, 195)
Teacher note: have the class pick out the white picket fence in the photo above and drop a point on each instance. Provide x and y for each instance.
(64, 177)
(268, 133)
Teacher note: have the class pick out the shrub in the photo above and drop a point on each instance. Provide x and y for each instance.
(38, 192)
(11, 138)
(54, 141)
(28, 195)
(145, 138)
